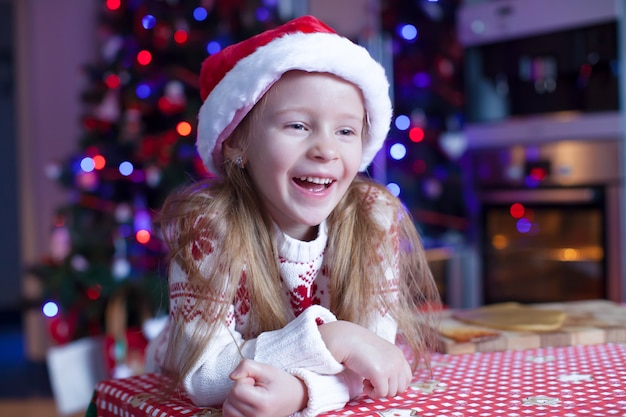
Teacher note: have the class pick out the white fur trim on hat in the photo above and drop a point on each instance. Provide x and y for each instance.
(242, 87)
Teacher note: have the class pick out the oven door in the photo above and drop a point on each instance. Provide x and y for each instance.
(545, 245)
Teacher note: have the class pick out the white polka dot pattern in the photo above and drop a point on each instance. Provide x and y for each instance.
(574, 381)
(559, 381)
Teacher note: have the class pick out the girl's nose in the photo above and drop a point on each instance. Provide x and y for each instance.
(324, 147)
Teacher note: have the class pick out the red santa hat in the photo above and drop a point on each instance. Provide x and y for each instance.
(233, 81)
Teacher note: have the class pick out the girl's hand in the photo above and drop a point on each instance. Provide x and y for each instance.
(261, 390)
(381, 363)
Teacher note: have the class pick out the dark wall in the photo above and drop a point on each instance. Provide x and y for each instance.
(10, 274)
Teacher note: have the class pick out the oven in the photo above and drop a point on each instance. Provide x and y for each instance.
(549, 221)
(544, 128)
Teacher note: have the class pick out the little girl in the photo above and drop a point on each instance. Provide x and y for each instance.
(291, 274)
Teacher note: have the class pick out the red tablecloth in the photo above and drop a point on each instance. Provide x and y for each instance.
(559, 381)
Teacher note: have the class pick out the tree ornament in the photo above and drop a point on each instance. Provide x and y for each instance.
(173, 100)
(123, 212)
(109, 109)
(432, 188)
(153, 176)
(120, 269)
(79, 263)
(112, 47)
(87, 181)
(131, 127)
(62, 327)
(60, 244)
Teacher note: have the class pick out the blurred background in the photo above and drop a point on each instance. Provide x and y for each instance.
(506, 146)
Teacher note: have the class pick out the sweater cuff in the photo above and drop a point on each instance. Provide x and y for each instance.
(299, 344)
(326, 392)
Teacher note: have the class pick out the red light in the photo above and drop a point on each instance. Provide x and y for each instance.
(144, 57)
(113, 4)
(183, 128)
(517, 210)
(142, 236)
(180, 36)
(112, 81)
(416, 134)
(99, 162)
(538, 173)
(93, 293)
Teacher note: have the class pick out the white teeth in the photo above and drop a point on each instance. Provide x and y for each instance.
(315, 180)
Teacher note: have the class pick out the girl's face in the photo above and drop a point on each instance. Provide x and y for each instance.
(306, 148)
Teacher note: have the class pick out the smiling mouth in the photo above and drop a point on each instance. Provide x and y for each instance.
(314, 184)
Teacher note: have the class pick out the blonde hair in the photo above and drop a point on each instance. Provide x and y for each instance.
(229, 210)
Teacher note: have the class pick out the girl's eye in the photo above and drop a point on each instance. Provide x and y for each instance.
(297, 126)
(346, 132)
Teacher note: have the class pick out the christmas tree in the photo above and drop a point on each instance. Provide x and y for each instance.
(426, 145)
(137, 145)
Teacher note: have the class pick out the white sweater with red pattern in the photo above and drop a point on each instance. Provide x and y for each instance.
(297, 348)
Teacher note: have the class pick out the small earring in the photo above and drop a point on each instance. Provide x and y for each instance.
(239, 162)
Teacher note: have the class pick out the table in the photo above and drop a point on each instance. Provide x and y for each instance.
(587, 322)
(584, 380)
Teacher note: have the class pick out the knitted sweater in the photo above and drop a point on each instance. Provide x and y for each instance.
(297, 348)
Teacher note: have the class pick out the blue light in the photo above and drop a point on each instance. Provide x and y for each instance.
(421, 80)
(262, 14)
(50, 309)
(523, 225)
(200, 14)
(394, 188)
(143, 91)
(87, 164)
(397, 151)
(531, 182)
(142, 220)
(408, 32)
(126, 168)
(148, 21)
(403, 122)
(213, 47)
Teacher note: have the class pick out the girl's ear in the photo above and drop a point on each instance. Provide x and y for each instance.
(230, 149)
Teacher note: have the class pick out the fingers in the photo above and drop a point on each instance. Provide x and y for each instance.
(381, 388)
(368, 389)
(240, 401)
(388, 384)
(245, 369)
(261, 390)
(244, 398)
(229, 410)
(251, 372)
